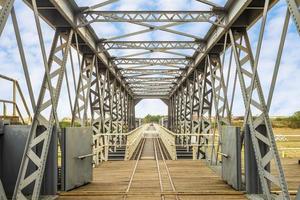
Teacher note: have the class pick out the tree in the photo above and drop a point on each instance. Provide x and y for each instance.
(152, 118)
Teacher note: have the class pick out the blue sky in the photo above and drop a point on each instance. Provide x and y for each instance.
(286, 96)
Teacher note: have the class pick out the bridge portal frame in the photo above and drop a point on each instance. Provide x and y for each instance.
(206, 88)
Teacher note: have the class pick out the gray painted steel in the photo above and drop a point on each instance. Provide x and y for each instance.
(231, 156)
(76, 142)
(195, 88)
(252, 182)
(11, 152)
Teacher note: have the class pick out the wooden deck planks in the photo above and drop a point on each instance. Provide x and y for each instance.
(192, 179)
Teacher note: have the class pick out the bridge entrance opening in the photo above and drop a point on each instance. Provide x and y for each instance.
(74, 120)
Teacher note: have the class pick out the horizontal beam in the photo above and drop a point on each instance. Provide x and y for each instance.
(150, 79)
(150, 89)
(151, 97)
(152, 94)
(152, 45)
(213, 17)
(155, 84)
(151, 61)
(143, 72)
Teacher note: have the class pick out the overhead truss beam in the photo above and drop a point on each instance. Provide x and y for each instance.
(213, 17)
(153, 45)
(151, 61)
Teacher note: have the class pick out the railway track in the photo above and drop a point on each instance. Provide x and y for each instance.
(152, 149)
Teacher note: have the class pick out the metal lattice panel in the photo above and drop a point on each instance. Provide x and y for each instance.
(42, 118)
(153, 45)
(259, 104)
(152, 16)
(83, 90)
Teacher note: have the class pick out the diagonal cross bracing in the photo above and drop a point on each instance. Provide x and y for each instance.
(153, 45)
(151, 61)
(152, 16)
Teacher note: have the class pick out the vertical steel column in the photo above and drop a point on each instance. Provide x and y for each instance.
(114, 106)
(100, 123)
(178, 106)
(205, 112)
(106, 103)
(122, 109)
(222, 114)
(188, 113)
(95, 102)
(83, 90)
(173, 113)
(130, 102)
(195, 110)
(96, 111)
(42, 118)
(257, 103)
(126, 105)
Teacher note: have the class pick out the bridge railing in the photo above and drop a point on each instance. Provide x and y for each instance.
(288, 145)
(16, 114)
(133, 139)
(105, 142)
(169, 140)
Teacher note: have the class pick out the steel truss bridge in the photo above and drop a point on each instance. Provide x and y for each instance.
(194, 87)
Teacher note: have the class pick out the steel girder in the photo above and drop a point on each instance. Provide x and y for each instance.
(83, 91)
(97, 113)
(151, 61)
(51, 86)
(221, 106)
(142, 72)
(293, 6)
(112, 106)
(150, 79)
(190, 110)
(6, 7)
(213, 17)
(253, 98)
(153, 45)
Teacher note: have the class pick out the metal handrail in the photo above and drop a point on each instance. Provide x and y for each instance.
(168, 140)
(16, 106)
(16, 90)
(133, 140)
(102, 143)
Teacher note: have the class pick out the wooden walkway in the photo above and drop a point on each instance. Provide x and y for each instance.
(153, 177)
(192, 180)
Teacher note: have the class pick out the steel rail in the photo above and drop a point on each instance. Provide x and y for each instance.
(167, 169)
(158, 170)
(134, 170)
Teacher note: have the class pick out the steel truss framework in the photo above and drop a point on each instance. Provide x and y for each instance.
(214, 17)
(195, 88)
(153, 45)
